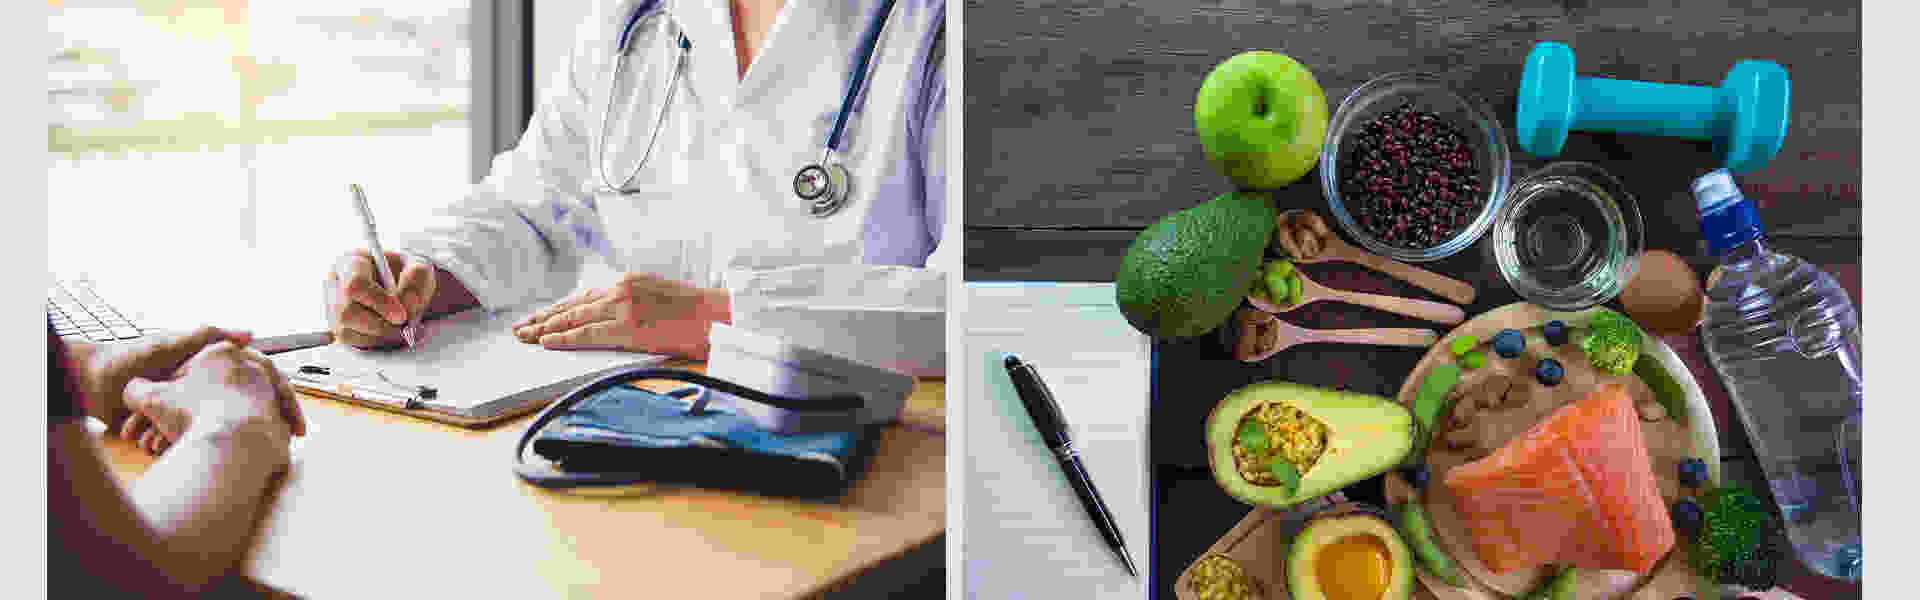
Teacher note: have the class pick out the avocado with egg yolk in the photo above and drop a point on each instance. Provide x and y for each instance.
(1277, 444)
(1349, 555)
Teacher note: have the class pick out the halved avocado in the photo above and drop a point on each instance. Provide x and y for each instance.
(1278, 444)
(1349, 555)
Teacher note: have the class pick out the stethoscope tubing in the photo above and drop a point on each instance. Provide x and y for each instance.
(660, 116)
(869, 43)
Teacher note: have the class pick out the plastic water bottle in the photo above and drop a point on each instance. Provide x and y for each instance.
(1785, 339)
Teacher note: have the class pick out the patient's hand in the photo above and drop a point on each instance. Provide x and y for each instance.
(220, 385)
(109, 367)
(640, 313)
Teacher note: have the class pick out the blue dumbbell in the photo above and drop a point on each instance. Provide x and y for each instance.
(1746, 117)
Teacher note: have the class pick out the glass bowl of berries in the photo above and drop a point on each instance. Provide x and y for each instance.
(1412, 169)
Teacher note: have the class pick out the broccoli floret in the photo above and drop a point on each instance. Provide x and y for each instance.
(1612, 343)
(1740, 541)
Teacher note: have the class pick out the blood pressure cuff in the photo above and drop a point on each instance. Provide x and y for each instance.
(655, 438)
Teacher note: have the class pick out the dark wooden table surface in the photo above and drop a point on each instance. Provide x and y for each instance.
(1080, 133)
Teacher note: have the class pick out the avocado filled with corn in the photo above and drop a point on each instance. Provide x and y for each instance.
(1278, 444)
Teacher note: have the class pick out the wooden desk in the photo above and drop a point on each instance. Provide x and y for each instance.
(383, 505)
(1080, 133)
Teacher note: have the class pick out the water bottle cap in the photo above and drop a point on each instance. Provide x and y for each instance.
(1727, 219)
(1714, 190)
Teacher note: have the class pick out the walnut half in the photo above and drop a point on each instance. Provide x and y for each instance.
(1257, 331)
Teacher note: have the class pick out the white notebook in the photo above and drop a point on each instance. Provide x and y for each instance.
(1026, 533)
(471, 360)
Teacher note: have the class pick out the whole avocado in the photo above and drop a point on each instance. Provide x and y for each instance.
(1184, 275)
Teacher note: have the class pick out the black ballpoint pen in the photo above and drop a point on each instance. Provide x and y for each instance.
(1053, 429)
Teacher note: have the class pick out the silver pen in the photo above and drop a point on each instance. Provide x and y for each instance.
(387, 279)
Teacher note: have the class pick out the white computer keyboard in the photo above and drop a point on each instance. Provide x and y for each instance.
(79, 313)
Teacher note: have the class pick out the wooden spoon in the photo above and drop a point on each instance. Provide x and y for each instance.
(1311, 291)
(1326, 247)
(1262, 335)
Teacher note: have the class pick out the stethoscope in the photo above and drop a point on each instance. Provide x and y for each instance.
(823, 185)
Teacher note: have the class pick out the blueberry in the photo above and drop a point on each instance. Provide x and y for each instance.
(1416, 475)
(1556, 333)
(1549, 372)
(1509, 343)
(1687, 516)
(1693, 473)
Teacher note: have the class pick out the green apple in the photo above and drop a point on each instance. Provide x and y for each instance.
(1262, 117)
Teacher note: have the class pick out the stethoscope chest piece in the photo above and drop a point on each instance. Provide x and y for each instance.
(822, 185)
(824, 188)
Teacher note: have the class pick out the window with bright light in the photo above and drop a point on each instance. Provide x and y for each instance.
(197, 128)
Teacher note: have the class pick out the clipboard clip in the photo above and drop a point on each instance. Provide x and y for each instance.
(406, 397)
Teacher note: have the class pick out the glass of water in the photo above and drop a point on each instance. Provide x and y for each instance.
(1568, 237)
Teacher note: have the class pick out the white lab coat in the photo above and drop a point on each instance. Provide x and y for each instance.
(714, 204)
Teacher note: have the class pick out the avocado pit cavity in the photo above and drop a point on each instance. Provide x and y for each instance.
(1350, 554)
(1356, 567)
(1277, 431)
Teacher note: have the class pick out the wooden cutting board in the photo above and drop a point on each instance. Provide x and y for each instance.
(1668, 443)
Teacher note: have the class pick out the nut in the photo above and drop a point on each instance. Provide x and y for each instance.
(1269, 334)
(1463, 438)
(1283, 242)
(1463, 412)
(1318, 224)
(1248, 344)
(1309, 243)
(1482, 393)
(1491, 400)
(1469, 381)
(1652, 411)
(1518, 396)
(1244, 349)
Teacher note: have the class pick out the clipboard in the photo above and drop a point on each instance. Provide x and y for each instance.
(469, 371)
(417, 401)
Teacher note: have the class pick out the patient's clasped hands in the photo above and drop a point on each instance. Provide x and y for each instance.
(203, 382)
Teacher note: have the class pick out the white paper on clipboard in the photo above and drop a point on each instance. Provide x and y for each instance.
(1027, 534)
(477, 366)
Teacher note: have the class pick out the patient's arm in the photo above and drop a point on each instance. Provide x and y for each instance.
(200, 503)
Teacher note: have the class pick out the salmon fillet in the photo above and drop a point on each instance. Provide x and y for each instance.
(1577, 489)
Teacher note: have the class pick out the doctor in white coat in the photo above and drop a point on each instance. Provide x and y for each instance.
(709, 228)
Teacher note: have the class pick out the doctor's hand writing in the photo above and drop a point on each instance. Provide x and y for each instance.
(363, 314)
(640, 313)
